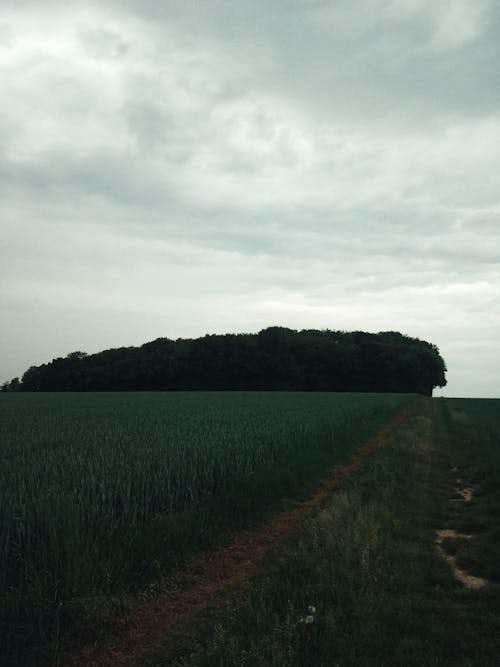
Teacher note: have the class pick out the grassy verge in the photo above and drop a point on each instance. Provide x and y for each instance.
(362, 584)
(475, 427)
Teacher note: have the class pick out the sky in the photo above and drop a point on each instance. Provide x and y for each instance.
(210, 166)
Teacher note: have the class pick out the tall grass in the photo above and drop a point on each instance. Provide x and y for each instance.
(99, 489)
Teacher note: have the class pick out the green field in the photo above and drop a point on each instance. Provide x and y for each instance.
(365, 568)
(110, 502)
(101, 493)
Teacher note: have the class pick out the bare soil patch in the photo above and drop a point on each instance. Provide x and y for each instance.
(450, 532)
(468, 580)
(465, 493)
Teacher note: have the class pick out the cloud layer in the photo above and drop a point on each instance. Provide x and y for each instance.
(173, 169)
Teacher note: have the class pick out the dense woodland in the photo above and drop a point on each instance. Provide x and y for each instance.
(274, 359)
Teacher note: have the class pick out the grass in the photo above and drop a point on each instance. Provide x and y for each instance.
(100, 493)
(367, 563)
(475, 428)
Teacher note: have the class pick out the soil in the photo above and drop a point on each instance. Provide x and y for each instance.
(468, 580)
(149, 620)
(465, 494)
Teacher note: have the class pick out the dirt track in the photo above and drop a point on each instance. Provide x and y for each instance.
(149, 621)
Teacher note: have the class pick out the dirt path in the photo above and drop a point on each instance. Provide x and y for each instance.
(149, 622)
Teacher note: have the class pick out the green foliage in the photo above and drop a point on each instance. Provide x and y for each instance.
(275, 359)
(101, 491)
(12, 385)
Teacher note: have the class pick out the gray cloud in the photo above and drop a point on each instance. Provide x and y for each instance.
(173, 169)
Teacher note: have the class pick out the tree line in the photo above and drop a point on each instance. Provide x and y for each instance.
(274, 359)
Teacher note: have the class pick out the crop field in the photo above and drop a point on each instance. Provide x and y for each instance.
(100, 493)
(364, 583)
(481, 413)
(205, 529)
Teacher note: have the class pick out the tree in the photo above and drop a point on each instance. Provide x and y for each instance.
(13, 385)
(33, 378)
(276, 358)
(76, 355)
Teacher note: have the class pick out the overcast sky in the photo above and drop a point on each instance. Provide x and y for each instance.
(210, 166)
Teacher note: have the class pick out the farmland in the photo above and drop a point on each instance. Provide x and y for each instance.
(101, 493)
(363, 583)
(248, 528)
